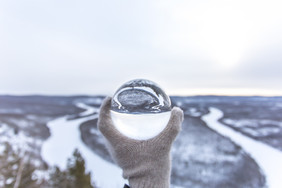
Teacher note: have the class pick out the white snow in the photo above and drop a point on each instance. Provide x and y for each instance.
(19, 142)
(269, 159)
(88, 110)
(194, 112)
(140, 126)
(263, 131)
(256, 127)
(252, 122)
(65, 138)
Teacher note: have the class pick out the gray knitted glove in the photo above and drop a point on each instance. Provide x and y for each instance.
(145, 163)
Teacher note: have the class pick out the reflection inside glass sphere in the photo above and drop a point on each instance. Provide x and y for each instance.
(140, 109)
(140, 96)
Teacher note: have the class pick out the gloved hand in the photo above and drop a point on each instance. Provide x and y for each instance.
(145, 163)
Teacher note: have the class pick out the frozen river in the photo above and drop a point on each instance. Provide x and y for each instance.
(269, 159)
(65, 138)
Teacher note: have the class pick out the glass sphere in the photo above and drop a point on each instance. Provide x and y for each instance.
(140, 96)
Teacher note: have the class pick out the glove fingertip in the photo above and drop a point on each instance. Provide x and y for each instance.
(104, 119)
(106, 102)
(177, 114)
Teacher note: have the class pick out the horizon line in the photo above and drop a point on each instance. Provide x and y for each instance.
(171, 92)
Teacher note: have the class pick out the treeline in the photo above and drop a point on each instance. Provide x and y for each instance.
(17, 170)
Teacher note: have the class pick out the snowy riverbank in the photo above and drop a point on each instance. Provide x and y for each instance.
(65, 138)
(268, 158)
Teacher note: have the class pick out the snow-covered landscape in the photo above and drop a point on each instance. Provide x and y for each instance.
(268, 158)
(56, 150)
(212, 150)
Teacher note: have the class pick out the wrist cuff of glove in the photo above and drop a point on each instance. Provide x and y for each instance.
(149, 182)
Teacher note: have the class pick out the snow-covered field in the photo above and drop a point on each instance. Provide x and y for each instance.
(268, 158)
(65, 138)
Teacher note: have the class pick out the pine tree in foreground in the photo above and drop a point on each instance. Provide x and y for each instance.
(76, 168)
(16, 169)
(59, 179)
(75, 176)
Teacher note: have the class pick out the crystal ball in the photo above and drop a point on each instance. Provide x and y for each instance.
(140, 96)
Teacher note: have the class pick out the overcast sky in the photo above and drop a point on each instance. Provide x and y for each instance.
(187, 47)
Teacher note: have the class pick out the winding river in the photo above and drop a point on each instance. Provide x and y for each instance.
(65, 138)
(269, 159)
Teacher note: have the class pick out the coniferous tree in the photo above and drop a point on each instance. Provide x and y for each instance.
(28, 179)
(75, 176)
(76, 168)
(60, 179)
(16, 170)
(8, 164)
